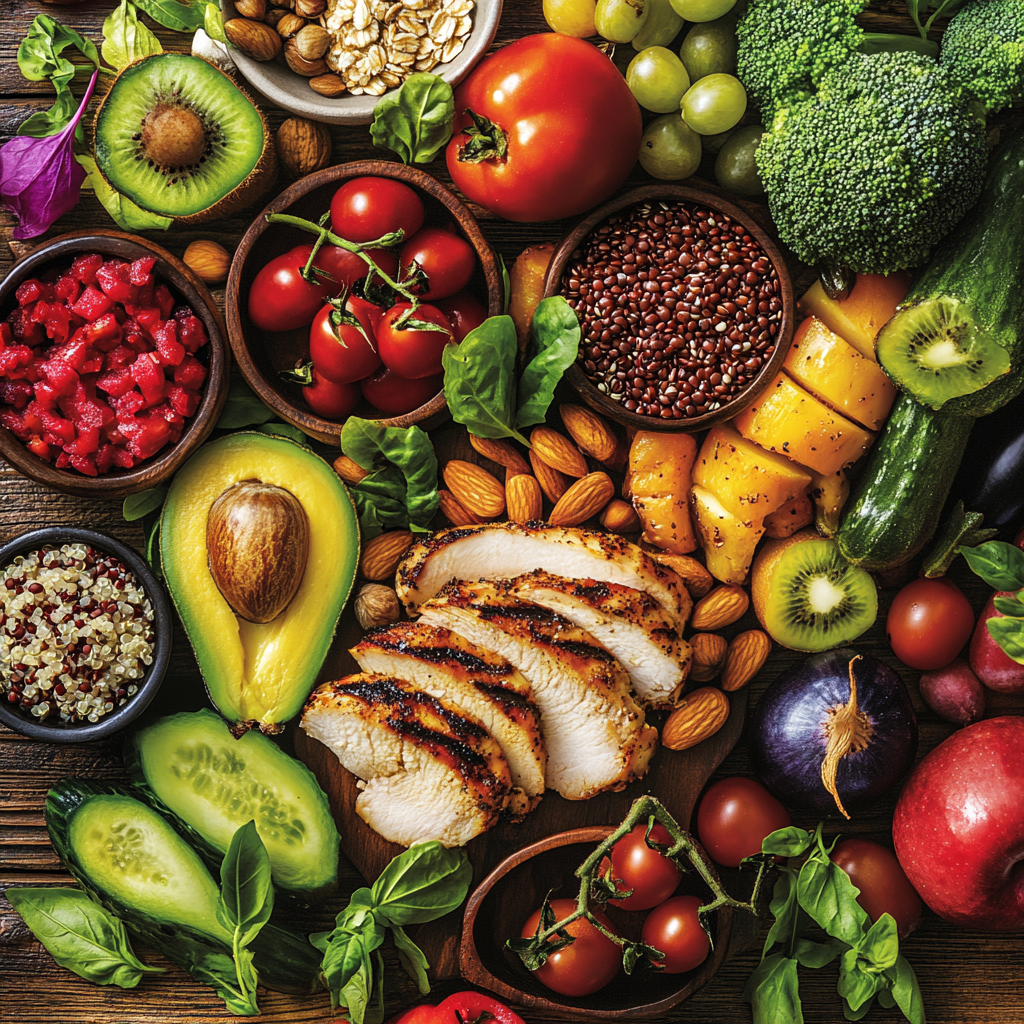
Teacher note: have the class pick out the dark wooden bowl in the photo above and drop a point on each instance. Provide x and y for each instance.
(119, 483)
(261, 355)
(576, 376)
(500, 905)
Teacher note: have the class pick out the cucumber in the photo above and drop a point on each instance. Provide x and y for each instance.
(189, 766)
(896, 504)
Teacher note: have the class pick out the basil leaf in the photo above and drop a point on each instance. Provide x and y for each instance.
(181, 15)
(415, 121)
(138, 505)
(246, 893)
(348, 956)
(153, 548)
(213, 23)
(80, 935)
(885, 999)
(857, 985)
(555, 338)
(787, 842)
(999, 564)
(506, 283)
(243, 408)
(285, 430)
(1011, 606)
(881, 945)
(785, 909)
(907, 993)
(773, 991)
(825, 891)
(422, 884)
(1009, 634)
(412, 959)
(125, 214)
(817, 954)
(218, 971)
(125, 38)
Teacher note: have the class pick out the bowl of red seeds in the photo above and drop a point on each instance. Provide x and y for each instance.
(113, 364)
(85, 635)
(685, 305)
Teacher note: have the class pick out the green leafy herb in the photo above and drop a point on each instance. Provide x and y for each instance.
(773, 991)
(213, 23)
(153, 546)
(424, 883)
(80, 935)
(126, 215)
(125, 38)
(999, 564)
(555, 343)
(138, 505)
(961, 529)
(412, 959)
(181, 15)
(243, 408)
(506, 283)
(218, 970)
(415, 121)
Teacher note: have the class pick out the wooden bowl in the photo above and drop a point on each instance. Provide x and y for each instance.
(500, 905)
(262, 354)
(119, 483)
(577, 377)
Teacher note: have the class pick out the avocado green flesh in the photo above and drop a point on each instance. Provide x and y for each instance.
(234, 131)
(215, 784)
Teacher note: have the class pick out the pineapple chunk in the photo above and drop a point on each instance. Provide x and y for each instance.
(839, 375)
(728, 541)
(829, 493)
(797, 513)
(788, 419)
(659, 480)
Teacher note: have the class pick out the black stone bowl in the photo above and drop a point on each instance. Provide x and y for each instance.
(58, 731)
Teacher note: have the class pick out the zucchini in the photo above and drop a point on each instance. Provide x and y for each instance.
(190, 767)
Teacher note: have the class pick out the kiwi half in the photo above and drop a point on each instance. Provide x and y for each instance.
(178, 137)
(936, 351)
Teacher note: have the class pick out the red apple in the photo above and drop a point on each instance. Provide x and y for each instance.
(991, 664)
(959, 826)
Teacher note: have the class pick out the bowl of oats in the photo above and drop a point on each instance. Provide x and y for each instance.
(332, 60)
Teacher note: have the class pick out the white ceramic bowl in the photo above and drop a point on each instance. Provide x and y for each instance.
(279, 84)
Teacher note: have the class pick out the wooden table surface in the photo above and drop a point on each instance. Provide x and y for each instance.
(966, 977)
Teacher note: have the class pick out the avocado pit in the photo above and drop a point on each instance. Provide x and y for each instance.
(173, 136)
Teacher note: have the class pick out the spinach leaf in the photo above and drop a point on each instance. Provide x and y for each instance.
(412, 959)
(125, 38)
(415, 121)
(181, 15)
(773, 991)
(125, 214)
(555, 343)
(80, 935)
(785, 909)
(999, 564)
(243, 408)
(138, 505)
(422, 884)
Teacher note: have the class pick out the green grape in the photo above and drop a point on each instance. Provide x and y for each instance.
(661, 27)
(702, 10)
(710, 49)
(619, 21)
(670, 148)
(736, 168)
(714, 104)
(714, 143)
(657, 79)
(571, 17)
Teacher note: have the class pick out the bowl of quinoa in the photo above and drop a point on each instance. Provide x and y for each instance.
(85, 635)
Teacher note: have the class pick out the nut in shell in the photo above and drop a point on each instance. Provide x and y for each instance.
(747, 654)
(289, 25)
(303, 146)
(254, 38)
(701, 714)
(720, 608)
(382, 554)
(310, 8)
(208, 260)
(312, 41)
(708, 654)
(377, 605)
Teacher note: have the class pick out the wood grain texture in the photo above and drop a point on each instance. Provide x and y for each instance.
(966, 977)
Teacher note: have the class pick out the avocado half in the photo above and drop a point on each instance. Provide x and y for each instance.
(178, 137)
(259, 674)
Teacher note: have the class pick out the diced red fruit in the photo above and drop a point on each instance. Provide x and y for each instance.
(147, 317)
(167, 412)
(85, 267)
(146, 434)
(6, 337)
(105, 333)
(59, 374)
(68, 288)
(118, 357)
(116, 383)
(190, 373)
(164, 299)
(37, 446)
(182, 400)
(58, 320)
(93, 304)
(191, 332)
(29, 291)
(84, 464)
(170, 351)
(149, 375)
(140, 272)
(14, 358)
(127, 406)
(25, 330)
(104, 457)
(15, 392)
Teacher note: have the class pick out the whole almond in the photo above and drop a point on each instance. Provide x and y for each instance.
(475, 488)
(301, 65)
(303, 146)
(327, 85)
(382, 554)
(584, 499)
(696, 577)
(552, 483)
(558, 452)
(208, 260)
(312, 41)
(523, 498)
(289, 24)
(721, 607)
(619, 517)
(251, 8)
(590, 432)
(700, 715)
(310, 8)
(708, 652)
(253, 38)
(349, 471)
(504, 453)
(454, 511)
(747, 654)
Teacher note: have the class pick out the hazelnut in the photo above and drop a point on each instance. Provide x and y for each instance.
(377, 605)
(299, 64)
(312, 42)
(310, 8)
(289, 24)
(209, 261)
(256, 9)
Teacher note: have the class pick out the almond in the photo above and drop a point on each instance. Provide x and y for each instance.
(251, 8)
(701, 714)
(327, 85)
(590, 432)
(310, 8)
(696, 577)
(349, 471)
(303, 146)
(620, 457)
(382, 554)
(208, 260)
(708, 654)
(504, 453)
(552, 483)
(475, 488)
(558, 452)
(619, 517)
(747, 654)
(584, 499)
(454, 511)
(523, 498)
(253, 38)
(722, 607)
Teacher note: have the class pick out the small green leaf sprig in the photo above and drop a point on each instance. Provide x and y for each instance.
(1001, 566)
(416, 119)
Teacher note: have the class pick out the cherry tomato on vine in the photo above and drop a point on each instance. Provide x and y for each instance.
(929, 623)
(367, 208)
(735, 816)
(447, 259)
(330, 400)
(650, 874)
(367, 313)
(343, 351)
(281, 299)
(674, 929)
(884, 887)
(465, 313)
(410, 351)
(395, 395)
(347, 268)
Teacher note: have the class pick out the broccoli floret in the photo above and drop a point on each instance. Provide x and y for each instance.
(983, 50)
(877, 167)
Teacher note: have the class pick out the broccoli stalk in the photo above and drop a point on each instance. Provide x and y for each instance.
(983, 50)
(918, 8)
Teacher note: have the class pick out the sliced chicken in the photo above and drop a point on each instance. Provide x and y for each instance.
(484, 686)
(506, 550)
(594, 731)
(427, 771)
(627, 623)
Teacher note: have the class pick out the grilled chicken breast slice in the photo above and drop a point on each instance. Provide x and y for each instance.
(594, 731)
(427, 771)
(484, 686)
(507, 550)
(627, 623)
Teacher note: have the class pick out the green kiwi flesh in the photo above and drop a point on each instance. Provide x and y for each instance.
(936, 351)
(819, 600)
(178, 137)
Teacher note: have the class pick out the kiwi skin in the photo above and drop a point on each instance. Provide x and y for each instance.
(260, 179)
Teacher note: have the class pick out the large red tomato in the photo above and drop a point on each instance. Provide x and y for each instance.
(560, 129)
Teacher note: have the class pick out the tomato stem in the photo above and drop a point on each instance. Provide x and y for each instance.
(487, 140)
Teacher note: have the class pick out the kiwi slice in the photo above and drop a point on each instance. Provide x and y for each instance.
(178, 137)
(816, 599)
(937, 351)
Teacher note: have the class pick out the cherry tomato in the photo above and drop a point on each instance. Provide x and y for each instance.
(329, 400)
(447, 259)
(464, 311)
(367, 208)
(584, 966)
(343, 352)
(929, 623)
(735, 816)
(281, 299)
(412, 352)
(396, 395)
(674, 929)
(884, 887)
(347, 268)
(650, 874)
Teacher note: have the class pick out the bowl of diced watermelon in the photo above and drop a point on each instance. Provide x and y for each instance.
(113, 364)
